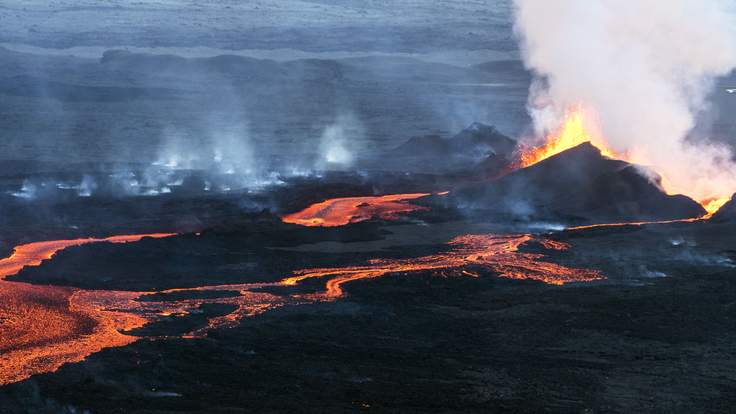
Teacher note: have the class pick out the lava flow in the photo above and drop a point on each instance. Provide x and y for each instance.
(44, 327)
(577, 128)
(41, 327)
(341, 211)
(32, 254)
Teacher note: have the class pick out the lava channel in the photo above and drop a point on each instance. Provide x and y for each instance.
(341, 211)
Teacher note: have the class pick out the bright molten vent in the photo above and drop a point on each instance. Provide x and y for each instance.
(44, 327)
(572, 133)
(712, 205)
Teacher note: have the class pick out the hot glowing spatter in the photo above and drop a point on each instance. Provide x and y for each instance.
(32, 254)
(712, 205)
(572, 133)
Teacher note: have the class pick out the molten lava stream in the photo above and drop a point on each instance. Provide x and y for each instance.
(497, 253)
(41, 328)
(341, 211)
(44, 327)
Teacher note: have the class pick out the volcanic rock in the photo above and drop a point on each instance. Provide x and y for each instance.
(579, 184)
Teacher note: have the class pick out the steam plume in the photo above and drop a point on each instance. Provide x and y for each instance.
(339, 141)
(643, 71)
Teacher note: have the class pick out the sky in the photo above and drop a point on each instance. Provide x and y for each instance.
(413, 26)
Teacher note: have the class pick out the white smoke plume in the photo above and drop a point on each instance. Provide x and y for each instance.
(643, 70)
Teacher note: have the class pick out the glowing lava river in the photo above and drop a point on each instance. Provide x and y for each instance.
(44, 327)
(346, 210)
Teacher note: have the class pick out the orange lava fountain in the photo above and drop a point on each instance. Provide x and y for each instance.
(572, 133)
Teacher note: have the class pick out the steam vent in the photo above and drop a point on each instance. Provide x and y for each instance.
(435, 206)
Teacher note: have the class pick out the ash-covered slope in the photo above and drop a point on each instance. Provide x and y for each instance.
(478, 147)
(578, 185)
(727, 212)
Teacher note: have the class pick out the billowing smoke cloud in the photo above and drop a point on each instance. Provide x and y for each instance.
(643, 70)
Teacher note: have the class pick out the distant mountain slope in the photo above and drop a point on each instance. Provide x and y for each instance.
(506, 69)
(478, 147)
(237, 67)
(28, 86)
(368, 68)
(415, 70)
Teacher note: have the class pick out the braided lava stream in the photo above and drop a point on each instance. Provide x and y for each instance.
(44, 327)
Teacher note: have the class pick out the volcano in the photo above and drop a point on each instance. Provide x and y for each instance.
(579, 184)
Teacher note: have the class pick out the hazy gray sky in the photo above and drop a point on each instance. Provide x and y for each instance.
(308, 25)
